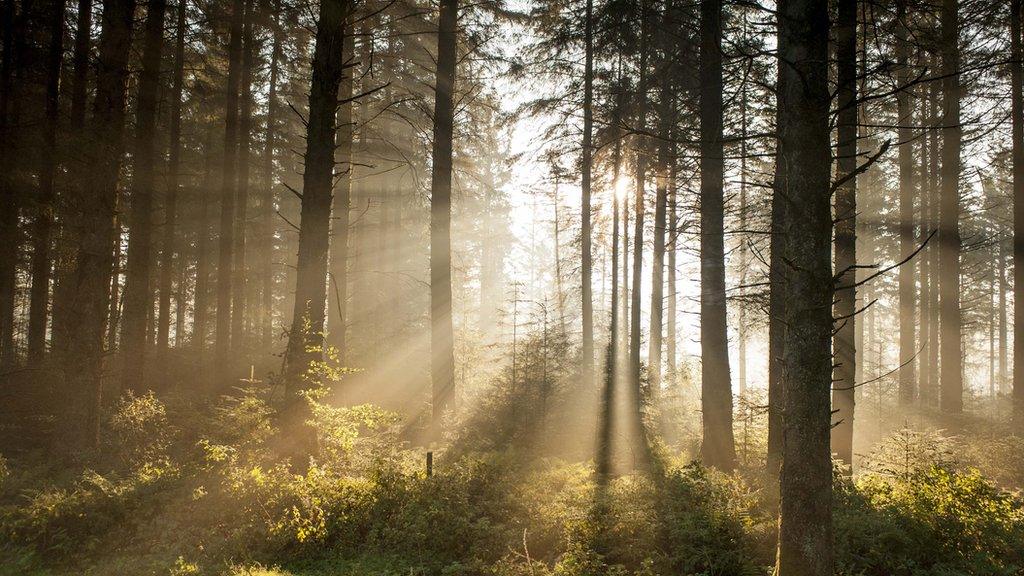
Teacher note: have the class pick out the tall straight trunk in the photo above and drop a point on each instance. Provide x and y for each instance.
(229, 175)
(638, 229)
(905, 136)
(239, 283)
(1001, 378)
(935, 336)
(670, 307)
(42, 229)
(63, 290)
(442, 337)
(744, 252)
(342, 205)
(805, 515)
(201, 312)
(168, 247)
(992, 263)
(951, 373)
(96, 195)
(117, 268)
(138, 290)
(306, 339)
(718, 449)
(10, 87)
(586, 259)
(1017, 115)
(776, 326)
(844, 378)
(926, 368)
(665, 121)
(266, 312)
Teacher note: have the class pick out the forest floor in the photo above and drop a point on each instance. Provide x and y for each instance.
(206, 495)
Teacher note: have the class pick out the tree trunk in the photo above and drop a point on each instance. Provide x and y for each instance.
(635, 334)
(951, 373)
(718, 449)
(905, 120)
(666, 118)
(63, 290)
(844, 379)
(267, 202)
(1017, 115)
(442, 338)
(239, 283)
(42, 231)
(96, 197)
(138, 291)
(337, 315)
(201, 303)
(9, 133)
(803, 156)
(306, 339)
(228, 184)
(586, 259)
(926, 368)
(670, 307)
(168, 247)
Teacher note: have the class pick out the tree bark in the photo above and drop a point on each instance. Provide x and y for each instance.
(1017, 116)
(96, 201)
(306, 338)
(337, 315)
(228, 185)
(951, 373)
(138, 289)
(586, 257)
(442, 338)
(666, 118)
(168, 247)
(42, 231)
(267, 202)
(905, 136)
(239, 284)
(803, 157)
(718, 449)
(844, 378)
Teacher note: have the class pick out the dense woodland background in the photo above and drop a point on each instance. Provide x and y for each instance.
(538, 287)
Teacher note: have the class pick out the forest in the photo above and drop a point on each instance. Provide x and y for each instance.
(511, 287)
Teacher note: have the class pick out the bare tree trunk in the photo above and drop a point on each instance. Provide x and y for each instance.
(951, 373)
(635, 334)
(1017, 115)
(42, 232)
(239, 284)
(718, 449)
(96, 197)
(201, 304)
(586, 262)
(138, 291)
(926, 368)
(666, 118)
(844, 379)
(169, 236)
(337, 315)
(906, 208)
(442, 338)
(306, 338)
(9, 132)
(63, 291)
(805, 518)
(228, 186)
(267, 202)
(671, 334)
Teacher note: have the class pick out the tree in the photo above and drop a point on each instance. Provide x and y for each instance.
(95, 202)
(905, 119)
(951, 371)
(588, 153)
(1017, 160)
(442, 337)
(803, 184)
(42, 233)
(843, 396)
(228, 185)
(169, 237)
(138, 289)
(306, 338)
(716, 386)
